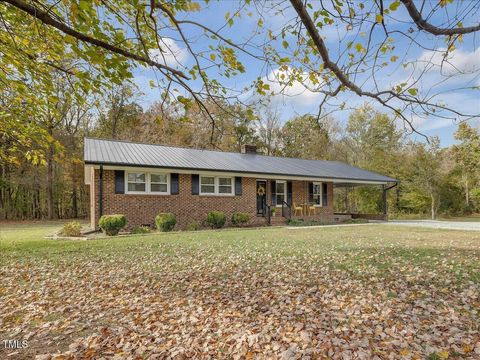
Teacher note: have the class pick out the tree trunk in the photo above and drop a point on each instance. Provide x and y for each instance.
(74, 202)
(50, 154)
(467, 190)
(50, 210)
(3, 200)
(36, 205)
(432, 196)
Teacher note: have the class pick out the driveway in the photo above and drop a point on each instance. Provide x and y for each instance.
(453, 225)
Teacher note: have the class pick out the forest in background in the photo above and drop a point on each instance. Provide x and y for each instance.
(68, 69)
(433, 180)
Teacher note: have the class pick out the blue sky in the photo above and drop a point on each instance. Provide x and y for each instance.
(300, 101)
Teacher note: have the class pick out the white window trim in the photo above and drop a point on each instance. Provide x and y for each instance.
(159, 192)
(321, 193)
(284, 190)
(147, 183)
(216, 185)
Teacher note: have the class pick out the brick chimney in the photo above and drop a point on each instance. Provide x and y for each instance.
(249, 149)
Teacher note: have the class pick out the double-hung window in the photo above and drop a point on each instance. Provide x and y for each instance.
(159, 183)
(280, 191)
(215, 185)
(225, 185)
(137, 182)
(317, 193)
(147, 183)
(207, 184)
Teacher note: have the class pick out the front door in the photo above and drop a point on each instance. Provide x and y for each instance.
(261, 196)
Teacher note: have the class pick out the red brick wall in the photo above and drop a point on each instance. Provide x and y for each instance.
(142, 209)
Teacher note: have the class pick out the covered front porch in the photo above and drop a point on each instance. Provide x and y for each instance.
(346, 203)
(312, 201)
(281, 199)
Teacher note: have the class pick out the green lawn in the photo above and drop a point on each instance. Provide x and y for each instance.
(257, 293)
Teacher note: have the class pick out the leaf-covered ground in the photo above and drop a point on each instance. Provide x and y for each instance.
(366, 292)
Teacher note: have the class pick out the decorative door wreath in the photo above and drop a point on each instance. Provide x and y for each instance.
(261, 191)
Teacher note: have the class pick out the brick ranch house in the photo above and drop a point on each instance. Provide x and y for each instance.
(142, 180)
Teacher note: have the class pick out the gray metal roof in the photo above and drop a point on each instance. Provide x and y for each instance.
(122, 153)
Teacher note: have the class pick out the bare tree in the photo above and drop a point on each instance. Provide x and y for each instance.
(269, 129)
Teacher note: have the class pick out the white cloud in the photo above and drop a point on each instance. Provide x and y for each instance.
(428, 124)
(451, 63)
(294, 92)
(464, 102)
(171, 54)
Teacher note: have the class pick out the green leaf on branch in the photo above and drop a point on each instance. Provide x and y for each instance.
(359, 47)
(394, 5)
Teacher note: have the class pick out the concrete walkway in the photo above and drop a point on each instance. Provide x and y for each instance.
(434, 224)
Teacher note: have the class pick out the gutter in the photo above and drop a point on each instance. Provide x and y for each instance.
(277, 175)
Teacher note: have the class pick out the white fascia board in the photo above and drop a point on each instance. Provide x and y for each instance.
(241, 174)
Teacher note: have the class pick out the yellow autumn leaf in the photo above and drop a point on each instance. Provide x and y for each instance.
(394, 6)
(443, 354)
(379, 18)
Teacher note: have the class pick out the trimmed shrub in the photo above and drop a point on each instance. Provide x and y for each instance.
(165, 221)
(216, 219)
(112, 224)
(141, 230)
(193, 226)
(240, 218)
(71, 229)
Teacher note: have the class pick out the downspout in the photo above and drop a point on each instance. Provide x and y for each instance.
(100, 192)
(385, 189)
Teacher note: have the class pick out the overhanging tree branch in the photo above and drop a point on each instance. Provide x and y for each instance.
(341, 76)
(424, 25)
(322, 48)
(45, 18)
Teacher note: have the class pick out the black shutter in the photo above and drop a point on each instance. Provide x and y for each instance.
(238, 185)
(195, 184)
(289, 192)
(273, 184)
(324, 194)
(174, 186)
(310, 192)
(119, 182)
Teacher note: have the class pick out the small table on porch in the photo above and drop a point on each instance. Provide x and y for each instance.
(305, 207)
